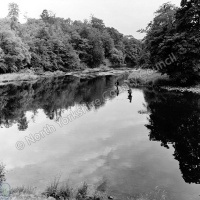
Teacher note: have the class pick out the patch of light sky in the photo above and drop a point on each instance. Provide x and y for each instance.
(127, 16)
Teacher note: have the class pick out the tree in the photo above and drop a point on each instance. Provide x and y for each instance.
(176, 31)
(108, 43)
(132, 49)
(187, 32)
(159, 29)
(188, 16)
(97, 23)
(115, 35)
(117, 57)
(13, 14)
(52, 43)
(13, 52)
(48, 16)
(97, 51)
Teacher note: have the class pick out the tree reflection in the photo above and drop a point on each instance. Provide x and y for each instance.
(174, 118)
(53, 95)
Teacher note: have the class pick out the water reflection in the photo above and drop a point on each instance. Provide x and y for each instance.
(53, 96)
(174, 118)
(108, 147)
(130, 95)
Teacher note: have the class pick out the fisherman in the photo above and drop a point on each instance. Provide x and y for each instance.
(117, 90)
(117, 84)
(130, 95)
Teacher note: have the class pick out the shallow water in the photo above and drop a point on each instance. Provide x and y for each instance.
(126, 148)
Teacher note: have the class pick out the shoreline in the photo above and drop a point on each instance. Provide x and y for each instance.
(135, 77)
(30, 76)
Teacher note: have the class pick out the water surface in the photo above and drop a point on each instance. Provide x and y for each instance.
(124, 146)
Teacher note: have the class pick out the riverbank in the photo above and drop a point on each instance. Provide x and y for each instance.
(134, 77)
(82, 193)
(31, 76)
(55, 192)
(148, 77)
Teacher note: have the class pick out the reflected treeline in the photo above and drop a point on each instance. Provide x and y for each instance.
(174, 118)
(53, 95)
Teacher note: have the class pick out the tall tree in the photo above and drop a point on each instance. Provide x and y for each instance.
(13, 52)
(13, 14)
(97, 23)
(48, 16)
(176, 30)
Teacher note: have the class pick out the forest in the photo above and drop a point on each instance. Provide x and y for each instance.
(174, 31)
(52, 43)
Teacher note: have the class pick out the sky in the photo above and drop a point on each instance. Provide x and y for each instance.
(127, 16)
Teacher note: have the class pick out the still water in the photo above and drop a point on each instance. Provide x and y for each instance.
(126, 146)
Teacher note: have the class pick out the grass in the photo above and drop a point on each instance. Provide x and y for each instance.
(23, 190)
(65, 192)
(58, 191)
(26, 75)
(4, 78)
(53, 189)
(142, 77)
(157, 194)
(32, 75)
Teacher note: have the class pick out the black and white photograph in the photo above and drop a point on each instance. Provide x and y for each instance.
(99, 100)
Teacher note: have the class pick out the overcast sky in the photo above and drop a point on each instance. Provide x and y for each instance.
(127, 16)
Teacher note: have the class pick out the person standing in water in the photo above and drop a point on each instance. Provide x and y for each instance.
(117, 90)
(117, 84)
(130, 94)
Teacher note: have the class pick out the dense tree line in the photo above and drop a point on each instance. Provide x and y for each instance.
(52, 43)
(174, 31)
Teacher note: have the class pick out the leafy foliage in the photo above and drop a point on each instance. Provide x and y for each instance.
(13, 15)
(14, 54)
(175, 31)
(52, 43)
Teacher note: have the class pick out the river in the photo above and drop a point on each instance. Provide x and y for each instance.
(146, 143)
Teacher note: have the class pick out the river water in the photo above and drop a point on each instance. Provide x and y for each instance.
(146, 143)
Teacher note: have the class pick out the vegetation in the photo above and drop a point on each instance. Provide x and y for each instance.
(174, 31)
(143, 77)
(2, 173)
(52, 43)
(58, 191)
(23, 190)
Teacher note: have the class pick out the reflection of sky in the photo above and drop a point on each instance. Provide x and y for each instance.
(109, 144)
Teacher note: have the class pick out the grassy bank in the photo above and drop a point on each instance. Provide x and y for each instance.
(29, 75)
(5, 78)
(65, 192)
(57, 191)
(142, 77)
(26, 75)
